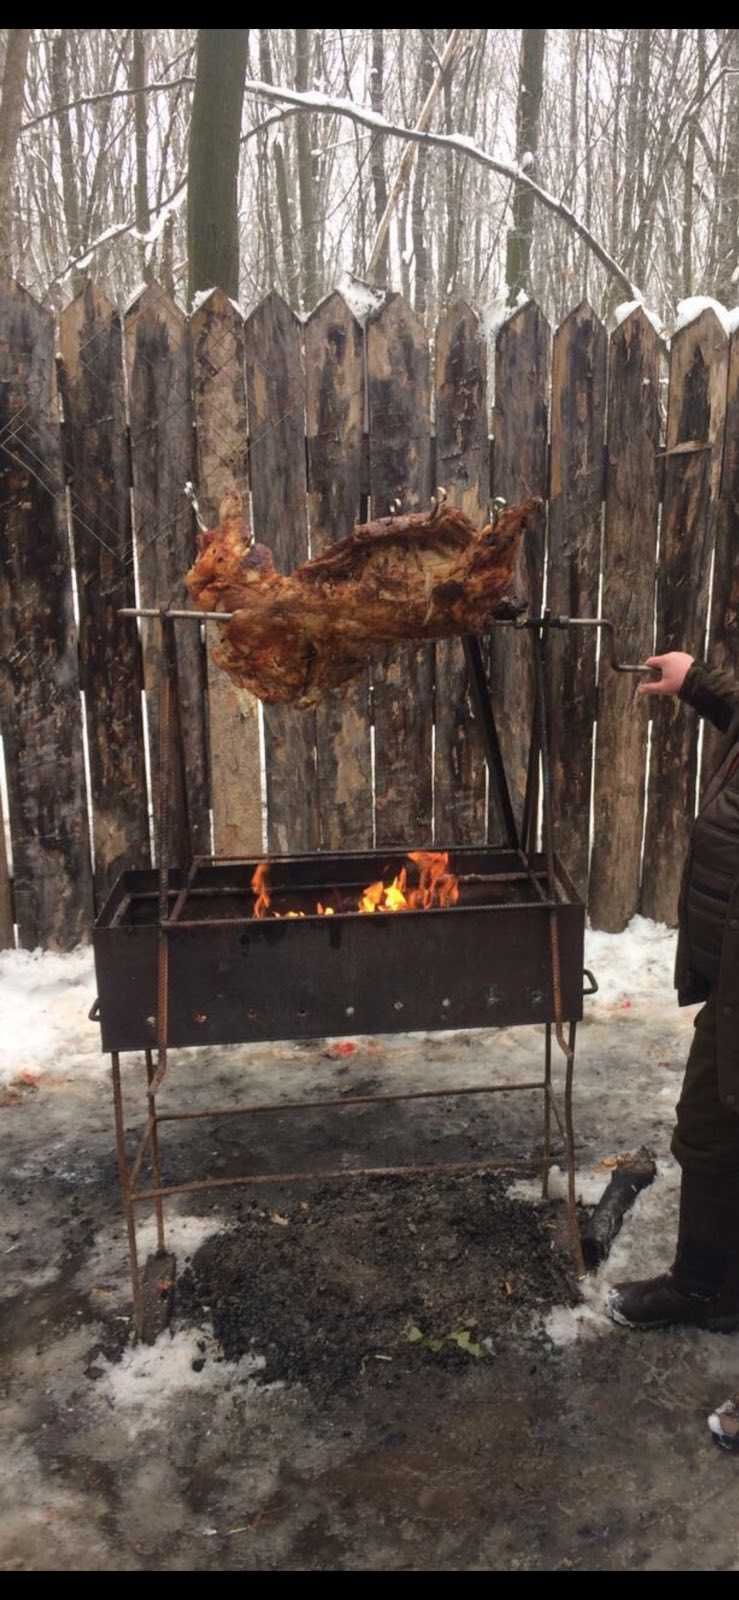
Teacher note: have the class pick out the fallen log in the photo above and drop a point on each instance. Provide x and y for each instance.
(632, 1174)
(423, 575)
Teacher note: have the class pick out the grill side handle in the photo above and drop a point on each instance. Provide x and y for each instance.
(592, 980)
(93, 1014)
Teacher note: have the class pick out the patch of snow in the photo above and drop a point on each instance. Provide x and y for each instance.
(134, 296)
(153, 234)
(568, 1324)
(527, 160)
(732, 320)
(644, 1247)
(361, 297)
(200, 297)
(634, 968)
(735, 275)
(589, 1186)
(147, 1376)
(695, 305)
(44, 1001)
(625, 309)
(498, 312)
(105, 1272)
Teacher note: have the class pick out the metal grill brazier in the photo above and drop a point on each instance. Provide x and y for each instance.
(181, 960)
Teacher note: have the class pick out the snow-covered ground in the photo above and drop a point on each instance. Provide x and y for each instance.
(45, 999)
(631, 1049)
(157, 1459)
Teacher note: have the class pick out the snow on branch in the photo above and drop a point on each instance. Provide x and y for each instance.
(337, 106)
(168, 207)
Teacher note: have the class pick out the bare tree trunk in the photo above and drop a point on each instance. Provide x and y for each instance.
(379, 180)
(281, 186)
(530, 85)
(451, 50)
(689, 178)
(306, 188)
(166, 270)
(728, 223)
(11, 112)
(418, 219)
(138, 82)
(644, 72)
(70, 192)
(213, 169)
(405, 253)
(628, 194)
(615, 173)
(452, 221)
(588, 156)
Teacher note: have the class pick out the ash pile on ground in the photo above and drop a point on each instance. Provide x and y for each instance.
(445, 1270)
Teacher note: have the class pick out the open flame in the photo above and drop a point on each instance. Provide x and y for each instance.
(436, 886)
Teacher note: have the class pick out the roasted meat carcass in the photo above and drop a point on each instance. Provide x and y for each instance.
(425, 575)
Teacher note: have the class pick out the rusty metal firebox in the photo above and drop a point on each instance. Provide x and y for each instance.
(181, 960)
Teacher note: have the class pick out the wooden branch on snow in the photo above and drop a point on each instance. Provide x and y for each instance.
(633, 1173)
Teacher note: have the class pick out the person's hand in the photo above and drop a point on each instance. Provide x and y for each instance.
(674, 668)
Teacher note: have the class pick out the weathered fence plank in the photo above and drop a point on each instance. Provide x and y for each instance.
(39, 681)
(520, 427)
(219, 401)
(275, 385)
(160, 417)
(575, 510)
(400, 456)
(723, 648)
(96, 454)
(695, 419)
(335, 415)
(630, 548)
(463, 469)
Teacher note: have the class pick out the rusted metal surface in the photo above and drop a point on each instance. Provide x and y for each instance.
(347, 1100)
(182, 909)
(125, 1183)
(319, 1176)
(232, 978)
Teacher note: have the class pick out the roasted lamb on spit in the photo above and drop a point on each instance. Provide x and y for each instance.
(422, 575)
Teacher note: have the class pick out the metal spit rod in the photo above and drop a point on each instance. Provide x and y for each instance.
(545, 621)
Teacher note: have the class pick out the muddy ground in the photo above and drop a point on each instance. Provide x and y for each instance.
(363, 1375)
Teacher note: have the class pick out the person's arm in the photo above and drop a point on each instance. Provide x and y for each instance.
(711, 692)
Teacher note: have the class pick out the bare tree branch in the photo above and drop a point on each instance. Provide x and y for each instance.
(332, 105)
(105, 94)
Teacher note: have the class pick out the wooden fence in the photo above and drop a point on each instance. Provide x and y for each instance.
(102, 423)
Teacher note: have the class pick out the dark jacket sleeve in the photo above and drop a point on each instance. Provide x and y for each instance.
(713, 693)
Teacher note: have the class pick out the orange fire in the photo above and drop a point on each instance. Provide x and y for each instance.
(437, 886)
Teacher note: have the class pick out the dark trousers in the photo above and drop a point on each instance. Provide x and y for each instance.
(706, 1139)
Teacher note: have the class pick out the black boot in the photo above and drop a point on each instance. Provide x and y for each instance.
(702, 1290)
